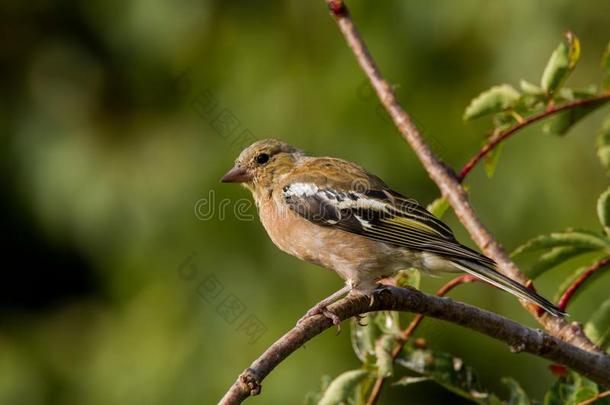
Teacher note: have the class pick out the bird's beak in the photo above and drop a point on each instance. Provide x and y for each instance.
(236, 175)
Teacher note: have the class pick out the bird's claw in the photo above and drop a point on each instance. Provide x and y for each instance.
(359, 319)
(322, 310)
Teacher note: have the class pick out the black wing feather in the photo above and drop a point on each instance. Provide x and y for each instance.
(380, 215)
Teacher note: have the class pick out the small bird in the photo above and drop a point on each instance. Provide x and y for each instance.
(335, 214)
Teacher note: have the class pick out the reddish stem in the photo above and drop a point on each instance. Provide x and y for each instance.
(337, 7)
(595, 398)
(571, 290)
(501, 136)
(408, 332)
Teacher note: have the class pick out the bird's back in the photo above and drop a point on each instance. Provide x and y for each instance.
(334, 172)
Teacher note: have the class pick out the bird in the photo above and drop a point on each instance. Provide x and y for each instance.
(333, 213)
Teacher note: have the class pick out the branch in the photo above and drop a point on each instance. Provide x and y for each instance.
(446, 179)
(503, 135)
(408, 332)
(518, 337)
(595, 398)
(444, 290)
(571, 290)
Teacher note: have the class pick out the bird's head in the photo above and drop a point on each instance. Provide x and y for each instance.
(262, 163)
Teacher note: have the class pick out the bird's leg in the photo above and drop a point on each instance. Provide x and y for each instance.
(322, 307)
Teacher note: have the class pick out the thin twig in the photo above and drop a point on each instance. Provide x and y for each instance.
(571, 290)
(518, 337)
(498, 138)
(595, 398)
(408, 332)
(446, 179)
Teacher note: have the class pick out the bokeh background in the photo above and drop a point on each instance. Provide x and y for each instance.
(121, 248)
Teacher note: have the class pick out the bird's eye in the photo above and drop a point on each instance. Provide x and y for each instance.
(262, 158)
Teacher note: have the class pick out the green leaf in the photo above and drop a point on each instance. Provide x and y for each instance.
(603, 144)
(491, 160)
(503, 121)
(598, 327)
(496, 99)
(572, 278)
(560, 65)
(383, 351)
(388, 322)
(518, 396)
(566, 94)
(532, 100)
(409, 278)
(313, 397)
(342, 387)
(530, 88)
(606, 66)
(438, 207)
(585, 240)
(562, 122)
(603, 210)
(408, 380)
(553, 258)
(363, 337)
(446, 370)
(571, 390)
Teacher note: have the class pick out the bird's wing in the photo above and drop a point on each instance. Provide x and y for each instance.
(379, 214)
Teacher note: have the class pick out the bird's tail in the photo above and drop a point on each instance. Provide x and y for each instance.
(489, 274)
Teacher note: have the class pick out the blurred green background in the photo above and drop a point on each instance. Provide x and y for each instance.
(122, 252)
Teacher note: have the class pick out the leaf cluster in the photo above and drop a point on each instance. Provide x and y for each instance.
(561, 106)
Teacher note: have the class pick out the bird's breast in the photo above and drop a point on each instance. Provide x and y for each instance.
(288, 231)
(352, 256)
